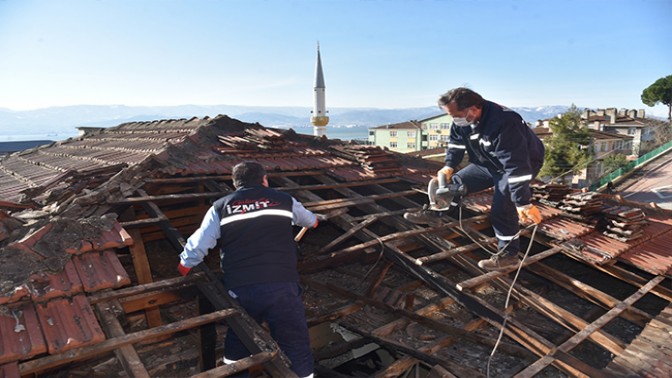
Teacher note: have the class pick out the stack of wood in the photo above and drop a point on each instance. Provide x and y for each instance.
(372, 159)
(624, 223)
(581, 205)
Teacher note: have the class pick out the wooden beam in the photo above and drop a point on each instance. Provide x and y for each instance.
(588, 292)
(148, 301)
(127, 356)
(489, 276)
(600, 322)
(163, 285)
(143, 273)
(347, 234)
(38, 365)
(240, 365)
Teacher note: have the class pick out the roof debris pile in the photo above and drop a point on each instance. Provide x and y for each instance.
(582, 205)
(30, 264)
(550, 193)
(624, 223)
(373, 159)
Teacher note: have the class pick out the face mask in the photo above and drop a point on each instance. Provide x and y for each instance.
(462, 121)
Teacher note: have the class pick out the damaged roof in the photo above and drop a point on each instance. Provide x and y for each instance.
(73, 210)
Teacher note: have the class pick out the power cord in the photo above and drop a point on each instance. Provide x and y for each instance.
(515, 278)
(506, 303)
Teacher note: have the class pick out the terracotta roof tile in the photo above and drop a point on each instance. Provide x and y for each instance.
(100, 270)
(654, 256)
(9, 370)
(603, 247)
(47, 285)
(561, 228)
(25, 343)
(69, 323)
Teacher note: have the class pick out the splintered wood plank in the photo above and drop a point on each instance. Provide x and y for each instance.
(489, 276)
(347, 234)
(600, 322)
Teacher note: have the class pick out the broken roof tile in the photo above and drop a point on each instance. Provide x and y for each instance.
(100, 270)
(603, 246)
(21, 336)
(47, 285)
(561, 228)
(69, 323)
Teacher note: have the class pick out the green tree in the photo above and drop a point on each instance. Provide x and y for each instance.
(568, 149)
(613, 162)
(660, 92)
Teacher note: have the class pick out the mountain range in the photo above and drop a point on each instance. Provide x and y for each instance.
(57, 122)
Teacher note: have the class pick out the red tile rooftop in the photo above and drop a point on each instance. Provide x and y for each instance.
(20, 333)
(69, 323)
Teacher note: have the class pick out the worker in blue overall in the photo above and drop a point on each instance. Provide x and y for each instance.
(259, 259)
(504, 153)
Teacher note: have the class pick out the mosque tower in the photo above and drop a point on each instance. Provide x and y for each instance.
(319, 119)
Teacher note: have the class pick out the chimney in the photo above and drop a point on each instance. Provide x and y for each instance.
(600, 112)
(585, 114)
(611, 112)
(640, 113)
(632, 113)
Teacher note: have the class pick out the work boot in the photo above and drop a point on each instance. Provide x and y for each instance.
(424, 216)
(497, 262)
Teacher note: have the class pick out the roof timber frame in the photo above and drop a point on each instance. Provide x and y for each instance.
(417, 251)
(580, 325)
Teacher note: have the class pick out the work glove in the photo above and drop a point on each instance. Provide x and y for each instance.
(319, 218)
(446, 171)
(183, 269)
(530, 213)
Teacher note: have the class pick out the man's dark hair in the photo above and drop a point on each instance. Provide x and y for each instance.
(463, 97)
(248, 173)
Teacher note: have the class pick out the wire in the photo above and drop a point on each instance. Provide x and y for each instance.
(380, 256)
(506, 302)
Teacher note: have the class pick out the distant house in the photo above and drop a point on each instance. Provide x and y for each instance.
(7, 148)
(603, 144)
(437, 129)
(625, 122)
(410, 136)
(399, 137)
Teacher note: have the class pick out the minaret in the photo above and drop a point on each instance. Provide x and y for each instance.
(319, 118)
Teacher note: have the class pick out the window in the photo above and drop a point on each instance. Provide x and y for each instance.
(393, 133)
(434, 137)
(393, 144)
(372, 133)
(445, 138)
(410, 134)
(411, 145)
(632, 130)
(433, 126)
(445, 126)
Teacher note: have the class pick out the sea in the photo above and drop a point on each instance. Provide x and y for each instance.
(359, 133)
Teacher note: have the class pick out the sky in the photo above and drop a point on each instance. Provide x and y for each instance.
(375, 53)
